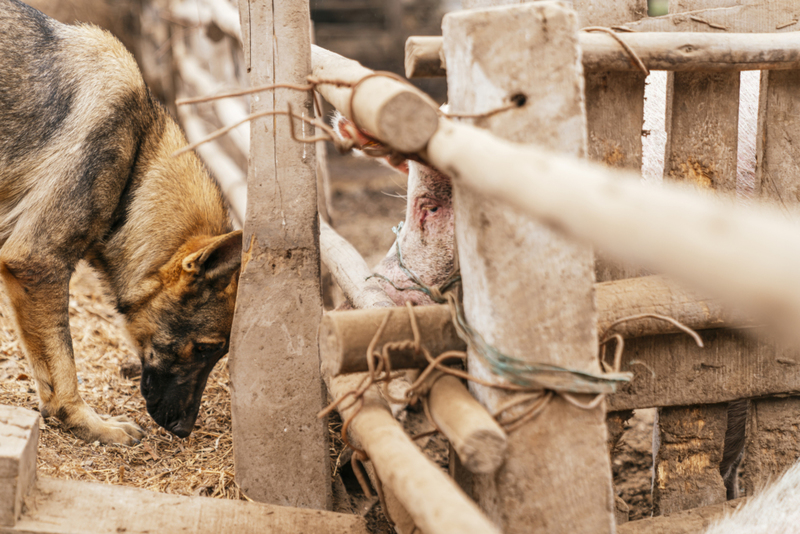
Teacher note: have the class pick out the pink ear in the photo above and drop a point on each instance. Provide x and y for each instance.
(346, 129)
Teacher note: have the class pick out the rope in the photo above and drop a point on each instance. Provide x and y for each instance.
(630, 51)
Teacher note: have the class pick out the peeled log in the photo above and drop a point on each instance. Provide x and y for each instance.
(673, 51)
(476, 437)
(345, 335)
(393, 112)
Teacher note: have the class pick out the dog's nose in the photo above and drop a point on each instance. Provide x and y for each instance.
(182, 428)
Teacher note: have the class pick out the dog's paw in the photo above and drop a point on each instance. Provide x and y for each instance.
(90, 427)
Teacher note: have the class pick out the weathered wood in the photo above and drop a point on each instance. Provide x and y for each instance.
(58, 506)
(351, 272)
(542, 488)
(655, 294)
(432, 499)
(773, 441)
(424, 57)
(687, 451)
(733, 365)
(474, 434)
(702, 124)
(614, 107)
(753, 17)
(19, 438)
(694, 238)
(772, 438)
(345, 336)
(678, 51)
(688, 522)
(281, 448)
(394, 112)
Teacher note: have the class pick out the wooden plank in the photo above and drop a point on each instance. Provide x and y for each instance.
(687, 449)
(563, 484)
(753, 17)
(614, 109)
(688, 522)
(19, 438)
(702, 124)
(281, 448)
(734, 365)
(61, 506)
(773, 441)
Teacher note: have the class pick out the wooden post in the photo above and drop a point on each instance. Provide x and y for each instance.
(281, 448)
(773, 440)
(19, 438)
(557, 476)
(702, 122)
(772, 432)
(614, 108)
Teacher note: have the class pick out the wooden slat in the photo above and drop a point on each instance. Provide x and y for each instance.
(281, 448)
(19, 437)
(62, 506)
(563, 484)
(732, 366)
(688, 522)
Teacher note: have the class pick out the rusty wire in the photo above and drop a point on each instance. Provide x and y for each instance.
(630, 51)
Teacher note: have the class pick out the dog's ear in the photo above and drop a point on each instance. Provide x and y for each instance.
(218, 259)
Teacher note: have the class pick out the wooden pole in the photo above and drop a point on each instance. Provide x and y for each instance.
(672, 229)
(658, 50)
(563, 483)
(393, 112)
(281, 450)
(370, 428)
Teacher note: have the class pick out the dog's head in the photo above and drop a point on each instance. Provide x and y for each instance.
(183, 330)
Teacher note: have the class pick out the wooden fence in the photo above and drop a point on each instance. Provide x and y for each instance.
(529, 209)
(670, 230)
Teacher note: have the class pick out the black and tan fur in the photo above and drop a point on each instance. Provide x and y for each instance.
(86, 173)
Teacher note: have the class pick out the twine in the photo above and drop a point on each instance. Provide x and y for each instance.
(630, 51)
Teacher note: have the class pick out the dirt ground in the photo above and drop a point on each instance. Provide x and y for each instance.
(367, 202)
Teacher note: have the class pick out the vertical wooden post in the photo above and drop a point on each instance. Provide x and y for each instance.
(702, 130)
(773, 436)
(527, 290)
(614, 108)
(281, 448)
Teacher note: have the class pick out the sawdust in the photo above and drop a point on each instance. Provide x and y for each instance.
(199, 465)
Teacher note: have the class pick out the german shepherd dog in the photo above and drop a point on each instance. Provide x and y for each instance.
(86, 173)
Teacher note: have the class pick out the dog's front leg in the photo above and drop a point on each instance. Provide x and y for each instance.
(40, 301)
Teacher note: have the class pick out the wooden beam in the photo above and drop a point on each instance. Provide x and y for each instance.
(370, 427)
(690, 521)
(752, 17)
(19, 438)
(393, 112)
(432, 500)
(684, 51)
(694, 238)
(345, 335)
(542, 488)
(690, 375)
(351, 272)
(281, 448)
(58, 506)
(474, 434)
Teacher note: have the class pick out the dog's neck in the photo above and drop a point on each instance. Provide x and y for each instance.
(167, 202)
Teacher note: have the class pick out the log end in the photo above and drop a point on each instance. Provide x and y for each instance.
(483, 451)
(330, 347)
(408, 120)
